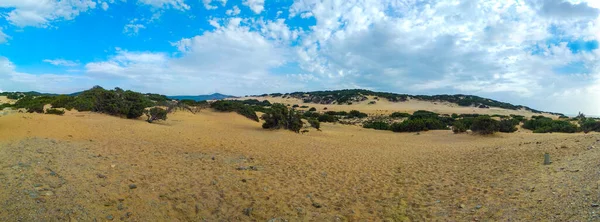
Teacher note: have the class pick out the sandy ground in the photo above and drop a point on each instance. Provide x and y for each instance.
(224, 167)
(4, 99)
(385, 107)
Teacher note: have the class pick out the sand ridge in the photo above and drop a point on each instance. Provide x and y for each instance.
(222, 166)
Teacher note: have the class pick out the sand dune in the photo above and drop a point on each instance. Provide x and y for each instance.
(222, 166)
(4, 99)
(385, 107)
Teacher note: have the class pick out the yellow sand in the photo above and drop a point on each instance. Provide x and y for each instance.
(385, 107)
(4, 99)
(185, 170)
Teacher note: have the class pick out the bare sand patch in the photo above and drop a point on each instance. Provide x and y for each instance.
(222, 166)
(4, 99)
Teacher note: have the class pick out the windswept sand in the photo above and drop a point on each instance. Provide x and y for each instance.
(78, 167)
(385, 107)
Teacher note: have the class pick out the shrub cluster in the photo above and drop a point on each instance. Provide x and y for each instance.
(55, 112)
(155, 113)
(589, 125)
(356, 114)
(235, 106)
(540, 124)
(378, 125)
(485, 125)
(314, 123)
(399, 115)
(418, 124)
(459, 127)
(279, 116)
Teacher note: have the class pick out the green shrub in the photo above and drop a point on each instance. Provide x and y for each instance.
(415, 125)
(378, 125)
(508, 125)
(422, 114)
(459, 127)
(295, 106)
(399, 115)
(280, 117)
(310, 114)
(541, 124)
(155, 114)
(454, 116)
(314, 123)
(63, 101)
(326, 118)
(235, 106)
(590, 125)
(303, 107)
(312, 109)
(356, 114)
(55, 112)
(334, 113)
(484, 125)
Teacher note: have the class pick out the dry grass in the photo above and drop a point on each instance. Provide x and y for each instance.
(185, 169)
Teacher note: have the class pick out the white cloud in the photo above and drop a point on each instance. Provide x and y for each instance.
(104, 6)
(61, 62)
(234, 11)
(18, 81)
(3, 37)
(174, 4)
(133, 28)
(208, 6)
(41, 13)
(257, 6)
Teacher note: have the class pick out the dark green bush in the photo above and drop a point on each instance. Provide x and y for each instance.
(295, 106)
(589, 125)
(310, 114)
(356, 114)
(484, 125)
(508, 125)
(415, 125)
(235, 106)
(327, 118)
(314, 123)
(334, 113)
(280, 116)
(63, 101)
(399, 115)
(303, 107)
(312, 109)
(459, 127)
(422, 114)
(55, 111)
(378, 125)
(155, 114)
(541, 124)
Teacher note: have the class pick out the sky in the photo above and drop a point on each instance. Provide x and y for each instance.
(539, 53)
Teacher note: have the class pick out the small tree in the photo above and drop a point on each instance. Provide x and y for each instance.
(155, 113)
(507, 125)
(55, 112)
(280, 116)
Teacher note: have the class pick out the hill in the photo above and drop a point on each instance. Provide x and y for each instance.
(358, 96)
(214, 96)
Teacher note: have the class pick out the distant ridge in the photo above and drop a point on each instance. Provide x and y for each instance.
(214, 96)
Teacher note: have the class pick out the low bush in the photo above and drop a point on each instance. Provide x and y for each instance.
(314, 123)
(590, 125)
(541, 124)
(339, 113)
(356, 114)
(309, 115)
(295, 106)
(304, 107)
(55, 112)
(312, 109)
(155, 114)
(459, 127)
(422, 114)
(235, 106)
(484, 125)
(399, 115)
(326, 118)
(508, 125)
(378, 125)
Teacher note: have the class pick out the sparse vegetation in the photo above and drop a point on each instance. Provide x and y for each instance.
(280, 116)
(235, 106)
(326, 118)
(155, 114)
(540, 124)
(484, 125)
(399, 115)
(314, 123)
(378, 125)
(356, 114)
(55, 112)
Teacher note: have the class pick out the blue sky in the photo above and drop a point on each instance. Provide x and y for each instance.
(539, 53)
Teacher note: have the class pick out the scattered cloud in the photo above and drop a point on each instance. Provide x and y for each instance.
(104, 6)
(133, 28)
(209, 6)
(234, 11)
(61, 62)
(3, 37)
(257, 6)
(564, 9)
(42, 13)
(166, 4)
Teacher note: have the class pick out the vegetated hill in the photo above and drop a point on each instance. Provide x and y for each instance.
(214, 96)
(18, 95)
(349, 96)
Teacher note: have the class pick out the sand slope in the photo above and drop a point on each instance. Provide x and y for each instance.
(224, 167)
(385, 107)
